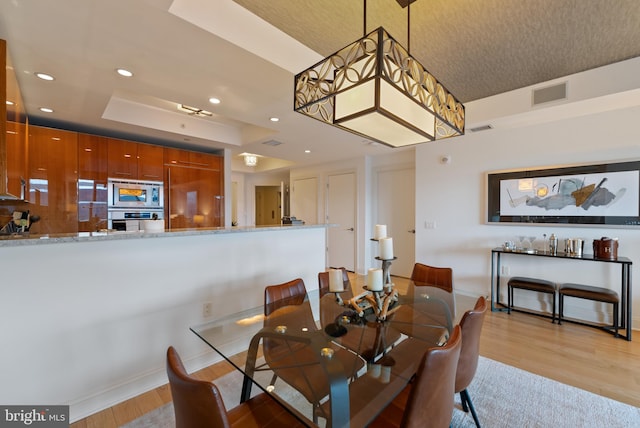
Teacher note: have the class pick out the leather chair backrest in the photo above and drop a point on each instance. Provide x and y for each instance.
(441, 277)
(471, 325)
(323, 282)
(430, 402)
(292, 292)
(196, 403)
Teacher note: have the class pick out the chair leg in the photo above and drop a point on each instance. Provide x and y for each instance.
(467, 405)
(509, 299)
(615, 318)
(553, 309)
(560, 307)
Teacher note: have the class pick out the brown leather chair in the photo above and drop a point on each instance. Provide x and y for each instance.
(441, 277)
(471, 325)
(294, 362)
(428, 400)
(198, 403)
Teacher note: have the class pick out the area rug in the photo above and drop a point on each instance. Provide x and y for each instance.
(503, 396)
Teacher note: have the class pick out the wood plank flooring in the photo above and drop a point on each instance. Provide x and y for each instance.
(581, 356)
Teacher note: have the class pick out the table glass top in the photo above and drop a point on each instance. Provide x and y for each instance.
(329, 358)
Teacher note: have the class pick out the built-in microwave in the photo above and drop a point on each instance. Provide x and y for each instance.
(135, 194)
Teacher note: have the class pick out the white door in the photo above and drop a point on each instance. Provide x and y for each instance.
(396, 209)
(341, 210)
(304, 200)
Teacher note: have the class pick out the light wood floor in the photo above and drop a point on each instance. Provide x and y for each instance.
(581, 356)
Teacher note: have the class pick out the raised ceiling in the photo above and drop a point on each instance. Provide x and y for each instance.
(185, 51)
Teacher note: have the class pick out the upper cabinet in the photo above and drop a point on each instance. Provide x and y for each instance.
(150, 160)
(134, 161)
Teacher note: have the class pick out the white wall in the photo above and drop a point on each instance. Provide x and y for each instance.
(454, 195)
(363, 168)
(88, 323)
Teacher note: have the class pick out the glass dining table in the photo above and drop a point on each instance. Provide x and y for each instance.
(329, 361)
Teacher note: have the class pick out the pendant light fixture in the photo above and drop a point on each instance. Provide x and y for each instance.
(375, 88)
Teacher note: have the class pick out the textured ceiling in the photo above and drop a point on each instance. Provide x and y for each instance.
(475, 48)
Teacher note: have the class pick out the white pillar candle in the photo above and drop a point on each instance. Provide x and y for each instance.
(336, 285)
(380, 231)
(386, 248)
(374, 279)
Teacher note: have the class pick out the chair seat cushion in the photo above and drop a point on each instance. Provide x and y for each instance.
(589, 292)
(533, 284)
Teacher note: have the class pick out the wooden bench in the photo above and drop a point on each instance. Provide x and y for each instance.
(589, 292)
(532, 284)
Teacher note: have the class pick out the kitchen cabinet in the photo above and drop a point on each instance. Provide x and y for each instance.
(122, 159)
(16, 158)
(92, 182)
(134, 161)
(52, 179)
(150, 162)
(193, 189)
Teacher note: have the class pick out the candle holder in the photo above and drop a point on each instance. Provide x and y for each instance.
(386, 271)
(339, 300)
(380, 303)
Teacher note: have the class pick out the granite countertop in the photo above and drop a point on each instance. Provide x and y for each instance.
(40, 239)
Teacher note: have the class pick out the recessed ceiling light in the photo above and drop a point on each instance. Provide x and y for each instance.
(124, 72)
(46, 109)
(307, 151)
(9, 103)
(274, 119)
(214, 100)
(44, 76)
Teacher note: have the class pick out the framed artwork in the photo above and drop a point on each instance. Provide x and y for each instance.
(598, 194)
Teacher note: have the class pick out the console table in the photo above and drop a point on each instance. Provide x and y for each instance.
(625, 281)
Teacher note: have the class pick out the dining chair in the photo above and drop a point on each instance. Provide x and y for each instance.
(199, 404)
(441, 277)
(471, 325)
(428, 400)
(295, 362)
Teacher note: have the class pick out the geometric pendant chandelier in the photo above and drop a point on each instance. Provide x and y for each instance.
(376, 89)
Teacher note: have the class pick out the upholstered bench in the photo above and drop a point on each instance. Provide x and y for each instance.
(532, 284)
(589, 292)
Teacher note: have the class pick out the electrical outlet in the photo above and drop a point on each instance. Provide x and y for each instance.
(505, 270)
(206, 310)
(429, 224)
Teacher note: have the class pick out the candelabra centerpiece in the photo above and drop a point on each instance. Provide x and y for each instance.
(380, 297)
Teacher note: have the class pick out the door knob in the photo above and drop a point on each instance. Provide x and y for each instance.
(412, 231)
(350, 229)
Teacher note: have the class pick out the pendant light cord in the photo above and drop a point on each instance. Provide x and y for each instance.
(409, 27)
(364, 26)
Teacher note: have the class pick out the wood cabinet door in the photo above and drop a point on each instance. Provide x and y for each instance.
(193, 197)
(16, 157)
(92, 182)
(150, 162)
(53, 177)
(122, 159)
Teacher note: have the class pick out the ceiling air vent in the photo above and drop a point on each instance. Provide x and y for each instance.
(481, 128)
(272, 143)
(549, 94)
